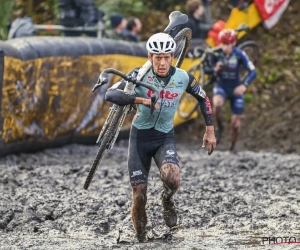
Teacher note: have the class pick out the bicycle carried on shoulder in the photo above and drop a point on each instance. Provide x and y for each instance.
(115, 119)
(204, 73)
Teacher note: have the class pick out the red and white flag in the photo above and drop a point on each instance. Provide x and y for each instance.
(271, 10)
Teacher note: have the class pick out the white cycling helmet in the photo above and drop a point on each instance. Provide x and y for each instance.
(161, 43)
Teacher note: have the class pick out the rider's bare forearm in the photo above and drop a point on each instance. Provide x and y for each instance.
(210, 129)
(139, 100)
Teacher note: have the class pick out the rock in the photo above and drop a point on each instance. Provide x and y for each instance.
(121, 201)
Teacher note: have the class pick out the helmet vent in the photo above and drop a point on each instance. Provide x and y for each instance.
(161, 43)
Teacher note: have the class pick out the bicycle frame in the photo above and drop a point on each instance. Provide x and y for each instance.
(207, 52)
(129, 89)
(214, 50)
(196, 50)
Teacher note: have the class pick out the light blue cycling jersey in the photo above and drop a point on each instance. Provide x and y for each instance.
(162, 119)
(171, 89)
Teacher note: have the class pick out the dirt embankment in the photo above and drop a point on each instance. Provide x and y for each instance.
(272, 118)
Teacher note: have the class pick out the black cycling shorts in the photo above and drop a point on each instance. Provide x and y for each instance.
(145, 144)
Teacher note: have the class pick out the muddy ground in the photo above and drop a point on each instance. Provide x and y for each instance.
(225, 201)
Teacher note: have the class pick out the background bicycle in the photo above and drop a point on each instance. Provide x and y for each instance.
(204, 73)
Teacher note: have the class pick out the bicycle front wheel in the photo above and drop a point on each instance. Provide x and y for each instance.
(183, 40)
(104, 145)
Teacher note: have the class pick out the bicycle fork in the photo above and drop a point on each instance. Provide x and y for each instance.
(111, 114)
(126, 110)
(129, 88)
(112, 111)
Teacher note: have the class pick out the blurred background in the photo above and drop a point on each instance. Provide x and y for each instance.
(271, 115)
(46, 100)
(153, 14)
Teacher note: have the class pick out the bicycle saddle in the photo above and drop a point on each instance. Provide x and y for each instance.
(176, 18)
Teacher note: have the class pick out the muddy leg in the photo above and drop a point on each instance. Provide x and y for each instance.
(170, 176)
(138, 210)
(218, 102)
(235, 129)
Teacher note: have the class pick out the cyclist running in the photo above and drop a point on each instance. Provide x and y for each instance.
(152, 136)
(228, 85)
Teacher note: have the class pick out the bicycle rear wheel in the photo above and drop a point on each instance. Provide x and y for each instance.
(104, 145)
(252, 51)
(182, 39)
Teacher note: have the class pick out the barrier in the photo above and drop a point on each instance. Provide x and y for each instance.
(46, 83)
(99, 28)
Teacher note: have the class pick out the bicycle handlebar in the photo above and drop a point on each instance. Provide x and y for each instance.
(104, 79)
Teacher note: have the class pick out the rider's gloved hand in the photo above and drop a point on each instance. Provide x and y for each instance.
(218, 66)
(209, 139)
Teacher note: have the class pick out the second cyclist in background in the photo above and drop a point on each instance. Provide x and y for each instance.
(228, 85)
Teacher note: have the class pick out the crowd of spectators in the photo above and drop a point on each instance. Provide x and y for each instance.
(84, 13)
(74, 13)
(124, 29)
